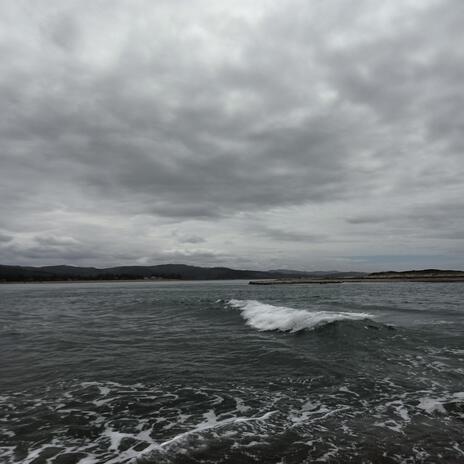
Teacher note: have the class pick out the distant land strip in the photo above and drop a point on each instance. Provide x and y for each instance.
(167, 272)
(424, 275)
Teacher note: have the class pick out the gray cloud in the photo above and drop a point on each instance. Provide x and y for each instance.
(367, 219)
(183, 238)
(282, 235)
(51, 240)
(132, 128)
(5, 238)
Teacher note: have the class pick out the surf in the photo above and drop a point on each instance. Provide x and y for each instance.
(267, 317)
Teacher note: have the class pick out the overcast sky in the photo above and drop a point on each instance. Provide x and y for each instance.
(254, 134)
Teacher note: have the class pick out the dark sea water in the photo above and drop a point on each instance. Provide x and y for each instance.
(224, 372)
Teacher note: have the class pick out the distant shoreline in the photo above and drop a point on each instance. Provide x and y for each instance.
(357, 280)
(252, 282)
(90, 281)
(187, 273)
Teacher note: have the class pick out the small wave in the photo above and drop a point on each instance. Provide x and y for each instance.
(263, 316)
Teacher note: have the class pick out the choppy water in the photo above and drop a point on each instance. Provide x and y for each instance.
(223, 372)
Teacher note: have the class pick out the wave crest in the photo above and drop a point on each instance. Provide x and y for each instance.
(262, 316)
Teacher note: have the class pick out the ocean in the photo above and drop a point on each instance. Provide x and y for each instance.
(225, 372)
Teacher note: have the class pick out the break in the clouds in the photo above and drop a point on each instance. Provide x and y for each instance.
(255, 134)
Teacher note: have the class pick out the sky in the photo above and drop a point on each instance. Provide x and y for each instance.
(312, 135)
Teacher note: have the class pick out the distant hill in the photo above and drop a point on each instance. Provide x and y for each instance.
(163, 271)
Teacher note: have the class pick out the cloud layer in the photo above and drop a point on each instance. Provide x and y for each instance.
(257, 134)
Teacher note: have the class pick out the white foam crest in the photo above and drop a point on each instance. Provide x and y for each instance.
(211, 422)
(431, 405)
(263, 316)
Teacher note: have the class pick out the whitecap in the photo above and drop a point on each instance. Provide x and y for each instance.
(431, 405)
(263, 316)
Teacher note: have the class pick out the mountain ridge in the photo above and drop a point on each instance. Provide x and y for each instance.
(10, 273)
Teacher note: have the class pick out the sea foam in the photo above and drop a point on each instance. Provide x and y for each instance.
(262, 316)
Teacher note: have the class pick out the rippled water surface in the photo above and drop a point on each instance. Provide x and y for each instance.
(224, 372)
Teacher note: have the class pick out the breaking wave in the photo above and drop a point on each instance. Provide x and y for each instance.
(263, 316)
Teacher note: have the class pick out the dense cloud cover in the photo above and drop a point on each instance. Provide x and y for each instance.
(266, 134)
